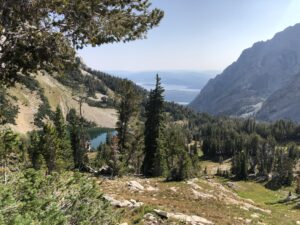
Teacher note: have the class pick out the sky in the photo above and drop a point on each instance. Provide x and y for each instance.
(197, 35)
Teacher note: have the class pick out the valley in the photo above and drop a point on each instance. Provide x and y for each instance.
(134, 142)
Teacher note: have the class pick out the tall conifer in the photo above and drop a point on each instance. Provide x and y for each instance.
(152, 165)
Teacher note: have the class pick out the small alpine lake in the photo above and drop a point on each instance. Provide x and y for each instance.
(98, 135)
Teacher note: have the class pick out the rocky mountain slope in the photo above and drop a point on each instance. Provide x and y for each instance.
(263, 82)
(56, 93)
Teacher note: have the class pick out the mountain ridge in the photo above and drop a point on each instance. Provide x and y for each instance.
(244, 87)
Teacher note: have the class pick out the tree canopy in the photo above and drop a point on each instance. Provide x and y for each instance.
(38, 35)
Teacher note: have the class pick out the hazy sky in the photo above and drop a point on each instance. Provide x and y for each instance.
(197, 35)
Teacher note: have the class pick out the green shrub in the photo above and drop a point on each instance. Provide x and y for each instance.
(69, 198)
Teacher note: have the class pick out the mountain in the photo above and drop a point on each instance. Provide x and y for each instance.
(34, 95)
(180, 86)
(38, 96)
(263, 82)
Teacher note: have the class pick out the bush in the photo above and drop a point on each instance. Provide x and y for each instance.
(70, 198)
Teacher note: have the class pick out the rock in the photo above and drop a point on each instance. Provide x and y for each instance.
(105, 171)
(250, 206)
(250, 200)
(255, 215)
(174, 189)
(248, 220)
(298, 222)
(244, 208)
(135, 186)
(161, 213)
(194, 220)
(232, 185)
(123, 203)
(150, 216)
(201, 195)
(136, 204)
(150, 219)
(123, 223)
(150, 188)
(193, 184)
(111, 200)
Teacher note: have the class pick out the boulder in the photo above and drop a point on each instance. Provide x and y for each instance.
(201, 195)
(150, 188)
(174, 189)
(193, 220)
(135, 186)
(123, 203)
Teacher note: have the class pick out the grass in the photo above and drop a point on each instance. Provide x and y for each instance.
(218, 211)
(282, 214)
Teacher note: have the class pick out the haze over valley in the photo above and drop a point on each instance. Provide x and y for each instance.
(180, 86)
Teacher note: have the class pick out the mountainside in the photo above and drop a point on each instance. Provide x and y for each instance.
(36, 93)
(38, 96)
(262, 83)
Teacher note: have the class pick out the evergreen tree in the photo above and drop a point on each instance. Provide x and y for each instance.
(135, 152)
(127, 109)
(8, 142)
(50, 147)
(43, 35)
(180, 163)
(8, 111)
(153, 165)
(78, 139)
(34, 150)
(297, 190)
(65, 151)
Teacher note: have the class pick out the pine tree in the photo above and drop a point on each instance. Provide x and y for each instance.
(297, 190)
(34, 150)
(127, 109)
(8, 111)
(8, 142)
(65, 151)
(180, 164)
(44, 35)
(240, 164)
(50, 147)
(78, 139)
(152, 165)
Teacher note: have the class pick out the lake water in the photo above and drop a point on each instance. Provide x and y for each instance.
(180, 94)
(98, 136)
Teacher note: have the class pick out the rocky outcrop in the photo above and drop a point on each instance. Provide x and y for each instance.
(135, 186)
(123, 203)
(264, 82)
(187, 219)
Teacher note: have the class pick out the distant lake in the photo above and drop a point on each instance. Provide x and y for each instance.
(181, 86)
(180, 94)
(98, 136)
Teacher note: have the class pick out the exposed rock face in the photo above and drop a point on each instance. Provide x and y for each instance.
(283, 104)
(263, 82)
